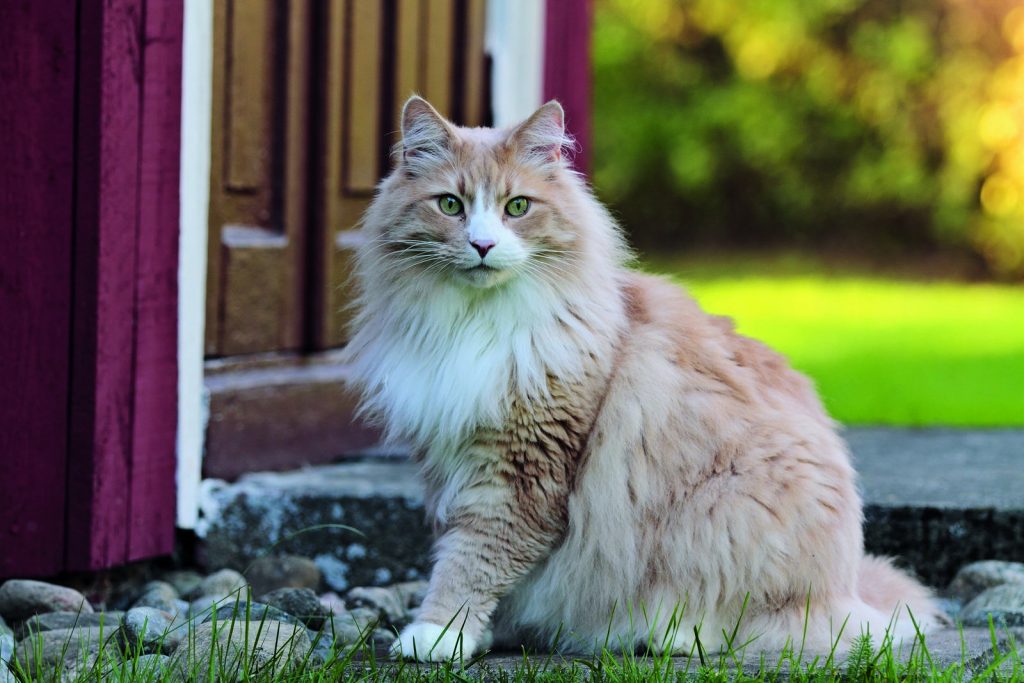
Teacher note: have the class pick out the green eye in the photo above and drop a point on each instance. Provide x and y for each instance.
(517, 206)
(450, 205)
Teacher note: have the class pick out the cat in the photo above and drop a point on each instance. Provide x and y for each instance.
(606, 464)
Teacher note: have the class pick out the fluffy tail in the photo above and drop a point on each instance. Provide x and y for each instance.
(892, 591)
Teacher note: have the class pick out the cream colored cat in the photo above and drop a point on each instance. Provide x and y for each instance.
(603, 459)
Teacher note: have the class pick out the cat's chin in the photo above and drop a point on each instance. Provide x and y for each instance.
(483, 277)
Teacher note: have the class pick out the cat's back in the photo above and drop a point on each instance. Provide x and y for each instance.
(666, 321)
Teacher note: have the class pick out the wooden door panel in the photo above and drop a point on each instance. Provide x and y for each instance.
(437, 51)
(260, 103)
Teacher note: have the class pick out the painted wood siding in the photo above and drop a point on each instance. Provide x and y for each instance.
(568, 25)
(91, 197)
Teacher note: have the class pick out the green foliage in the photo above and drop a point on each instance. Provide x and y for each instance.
(891, 124)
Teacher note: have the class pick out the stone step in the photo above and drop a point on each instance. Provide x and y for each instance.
(935, 498)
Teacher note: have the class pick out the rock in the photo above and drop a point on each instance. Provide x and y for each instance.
(20, 599)
(160, 595)
(149, 667)
(5, 630)
(259, 649)
(1004, 603)
(64, 653)
(56, 620)
(267, 574)
(333, 603)
(184, 581)
(6, 652)
(253, 611)
(385, 601)
(151, 630)
(976, 577)
(363, 617)
(220, 584)
(411, 593)
(299, 602)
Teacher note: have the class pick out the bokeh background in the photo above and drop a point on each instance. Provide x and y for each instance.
(844, 177)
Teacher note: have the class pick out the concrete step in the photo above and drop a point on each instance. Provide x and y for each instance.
(935, 498)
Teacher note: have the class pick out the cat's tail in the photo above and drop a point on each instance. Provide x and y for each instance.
(892, 591)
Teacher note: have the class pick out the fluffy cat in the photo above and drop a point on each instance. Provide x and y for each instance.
(604, 460)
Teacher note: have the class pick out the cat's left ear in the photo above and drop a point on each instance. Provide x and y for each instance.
(542, 137)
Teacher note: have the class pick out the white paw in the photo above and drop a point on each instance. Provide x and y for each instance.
(426, 642)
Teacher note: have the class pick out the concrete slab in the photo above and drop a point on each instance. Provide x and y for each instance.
(935, 498)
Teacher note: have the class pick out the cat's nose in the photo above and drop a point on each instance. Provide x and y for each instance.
(482, 246)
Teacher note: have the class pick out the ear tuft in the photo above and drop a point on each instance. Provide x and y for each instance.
(542, 137)
(426, 136)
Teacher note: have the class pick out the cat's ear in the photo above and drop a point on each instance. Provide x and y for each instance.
(542, 137)
(426, 136)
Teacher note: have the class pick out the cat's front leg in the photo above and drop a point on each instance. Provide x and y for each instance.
(479, 559)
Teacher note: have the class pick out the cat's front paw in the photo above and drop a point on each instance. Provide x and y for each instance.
(427, 642)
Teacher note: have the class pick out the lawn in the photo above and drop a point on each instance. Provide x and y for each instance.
(882, 348)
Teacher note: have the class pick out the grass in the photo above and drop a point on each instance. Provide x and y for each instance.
(121, 662)
(882, 348)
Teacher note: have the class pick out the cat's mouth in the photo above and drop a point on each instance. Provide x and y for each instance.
(483, 275)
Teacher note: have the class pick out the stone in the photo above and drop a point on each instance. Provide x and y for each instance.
(260, 649)
(6, 652)
(332, 602)
(253, 611)
(21, 598)
(299, 602)
(149, 667)
(266, 574)
(158, 594)
(976, 577)
(384, 601)
(223, 583)
(184, 581)
(5, 630)
(65, 653)
(365, 521)
(411, 593)
(51, 621)
(1005, 604)
(150, 629)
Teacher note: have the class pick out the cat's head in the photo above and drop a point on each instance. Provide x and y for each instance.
(479, 207)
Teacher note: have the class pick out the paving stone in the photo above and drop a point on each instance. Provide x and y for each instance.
(222, 583)
(382, 501)
(299, 602)
(21, 598)
(1004, 604)
(267, 648)
(267, 574)
(979, 576)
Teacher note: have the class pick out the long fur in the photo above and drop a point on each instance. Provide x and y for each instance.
(602, 458)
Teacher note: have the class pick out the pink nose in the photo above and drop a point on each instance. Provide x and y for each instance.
(482, 246)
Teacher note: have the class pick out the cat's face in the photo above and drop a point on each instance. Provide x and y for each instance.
(478, 207)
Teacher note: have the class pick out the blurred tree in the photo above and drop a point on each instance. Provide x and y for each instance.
(895, 124)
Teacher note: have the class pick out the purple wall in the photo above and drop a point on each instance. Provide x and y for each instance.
(88, 293)
(567, 67)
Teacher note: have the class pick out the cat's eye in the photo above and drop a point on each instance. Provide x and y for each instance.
(450, 205)
(517, 206)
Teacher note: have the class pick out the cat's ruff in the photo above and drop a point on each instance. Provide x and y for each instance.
(599, 453)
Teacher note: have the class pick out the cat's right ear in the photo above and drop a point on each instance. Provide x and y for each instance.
(426, 136)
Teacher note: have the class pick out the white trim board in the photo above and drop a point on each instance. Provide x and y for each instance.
(515, 40)
(196, 94)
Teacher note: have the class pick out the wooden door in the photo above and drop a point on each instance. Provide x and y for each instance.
(315, 85)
